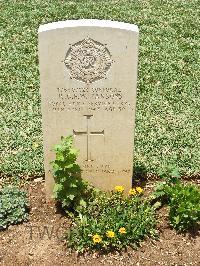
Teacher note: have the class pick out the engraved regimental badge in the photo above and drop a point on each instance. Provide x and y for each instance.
(88, 60)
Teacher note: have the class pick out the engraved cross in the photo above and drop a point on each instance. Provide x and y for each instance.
(88, 134)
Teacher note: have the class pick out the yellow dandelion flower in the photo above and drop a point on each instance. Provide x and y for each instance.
(110, 234)
(139, 190)
(119, 189)
(97, 238)
(122, 230)
(132, 192)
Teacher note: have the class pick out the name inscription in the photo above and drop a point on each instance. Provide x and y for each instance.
(92, 99)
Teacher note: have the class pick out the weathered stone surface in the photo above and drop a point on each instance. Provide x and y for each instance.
(88, 74)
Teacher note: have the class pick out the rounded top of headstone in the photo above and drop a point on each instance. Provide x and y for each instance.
(88, 23)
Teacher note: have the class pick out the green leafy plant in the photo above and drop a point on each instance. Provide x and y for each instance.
(183, 201)
(170, 176)
(112, 221)
(69, 187)
(13, 206)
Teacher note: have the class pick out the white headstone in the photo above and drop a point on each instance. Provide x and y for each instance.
(88, 74)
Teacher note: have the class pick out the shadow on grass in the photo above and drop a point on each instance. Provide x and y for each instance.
(139, 175)
(59, 209)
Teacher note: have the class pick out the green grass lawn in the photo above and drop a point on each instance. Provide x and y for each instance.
(168, 101)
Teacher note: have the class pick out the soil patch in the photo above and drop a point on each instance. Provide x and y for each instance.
(40, 241)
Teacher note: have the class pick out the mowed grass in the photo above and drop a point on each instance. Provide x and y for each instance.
(168, 99)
